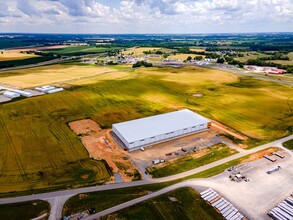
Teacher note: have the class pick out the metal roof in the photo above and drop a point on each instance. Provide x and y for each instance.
(143, 128)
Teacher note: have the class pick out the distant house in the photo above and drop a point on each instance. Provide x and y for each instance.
(265, 69)
(275, 71)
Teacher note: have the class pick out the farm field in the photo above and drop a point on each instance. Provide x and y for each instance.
(7, 56)
(139, 51)
(183, 56)
(186, 204)
(32, 77)
(46, 153)
(24, 210)
(22, 62)
(191, 161)
(283, 62)
(80, 50)
(253, 55)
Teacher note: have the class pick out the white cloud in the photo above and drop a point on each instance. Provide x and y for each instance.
(143, 16)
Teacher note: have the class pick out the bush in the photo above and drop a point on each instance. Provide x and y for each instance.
(142, 63)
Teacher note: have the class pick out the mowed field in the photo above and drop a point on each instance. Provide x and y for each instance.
(32, 77)
(39, 150)
(179, 204)
(139, 51)
(7, 56)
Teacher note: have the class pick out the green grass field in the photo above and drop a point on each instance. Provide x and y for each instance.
(187, 162)
(80, 50)
(24, 210)
(288, 144)
(189, 205)
(14, 63)
(39, 150)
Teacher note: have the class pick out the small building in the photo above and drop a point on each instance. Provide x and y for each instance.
(156, 129)
(11, 95)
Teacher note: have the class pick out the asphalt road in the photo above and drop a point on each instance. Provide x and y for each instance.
(188, 183)
(71, 192)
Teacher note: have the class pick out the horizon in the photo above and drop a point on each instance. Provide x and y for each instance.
(208, 33)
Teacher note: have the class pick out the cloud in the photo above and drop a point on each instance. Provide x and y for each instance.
(149, 15)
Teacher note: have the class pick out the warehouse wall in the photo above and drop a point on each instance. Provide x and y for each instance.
(160, 138)
(120, 137)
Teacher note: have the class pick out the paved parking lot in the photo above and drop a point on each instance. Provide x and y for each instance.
(256, 197)
(173, 148)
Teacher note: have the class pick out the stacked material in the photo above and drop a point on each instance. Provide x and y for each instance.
(227, 210)
(11, 95)
(45, 88)
(49, 89)
(55, 90)
(283, 211)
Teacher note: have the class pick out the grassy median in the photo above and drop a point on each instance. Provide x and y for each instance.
(184, 203)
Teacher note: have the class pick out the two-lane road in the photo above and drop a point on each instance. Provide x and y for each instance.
(142, 182)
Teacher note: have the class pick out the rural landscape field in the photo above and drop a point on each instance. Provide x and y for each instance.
(120, 95)
(146, 110)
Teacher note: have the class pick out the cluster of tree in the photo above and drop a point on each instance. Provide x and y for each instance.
(113, 53)
(158, 52)
(275, 56)
(111, 63)
(142, 63)
(189, 58)
(220, 60)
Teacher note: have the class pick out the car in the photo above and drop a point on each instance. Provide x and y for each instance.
(142, 149)
(146, 172)
(162, 161)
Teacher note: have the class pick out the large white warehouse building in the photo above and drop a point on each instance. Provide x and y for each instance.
(155, 129)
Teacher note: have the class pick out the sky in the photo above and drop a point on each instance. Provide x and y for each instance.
(145, 16)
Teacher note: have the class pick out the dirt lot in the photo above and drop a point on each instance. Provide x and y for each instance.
(173, 148)
(256, 197)
(100, 146)
(216, 126)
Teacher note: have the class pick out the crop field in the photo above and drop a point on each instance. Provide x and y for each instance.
(7, 56)
(186, 204)
(80, 50)
(253, 55)
(25, 210)
(27, 61)
(39, 150)
(283, 62)
(26, 78)
(139, 51)
(183, 56)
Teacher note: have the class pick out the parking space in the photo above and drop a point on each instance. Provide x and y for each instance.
(263, 191)
(175, 148)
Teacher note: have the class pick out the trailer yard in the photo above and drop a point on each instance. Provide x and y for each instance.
(263, 192)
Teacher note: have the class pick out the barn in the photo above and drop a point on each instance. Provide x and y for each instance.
(155, 129)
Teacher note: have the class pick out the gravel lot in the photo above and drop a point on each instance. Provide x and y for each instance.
(159, 151)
